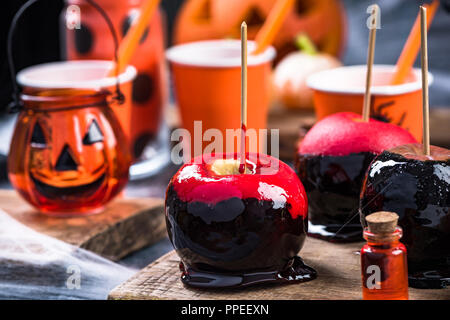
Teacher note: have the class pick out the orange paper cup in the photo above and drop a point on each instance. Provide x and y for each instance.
(207, 79)
(342, 89)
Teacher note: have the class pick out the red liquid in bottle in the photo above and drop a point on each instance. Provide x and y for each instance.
(243, 148)
(384, 267)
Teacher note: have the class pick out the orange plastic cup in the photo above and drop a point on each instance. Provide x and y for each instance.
(342, 89)
(207, 79)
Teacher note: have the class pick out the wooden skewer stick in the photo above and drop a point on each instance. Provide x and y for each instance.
(370, 55)
(424, 60)
(243, 95)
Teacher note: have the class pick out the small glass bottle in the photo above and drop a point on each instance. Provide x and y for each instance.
(383, 259)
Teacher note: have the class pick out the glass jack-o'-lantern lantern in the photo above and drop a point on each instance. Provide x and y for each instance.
(69, 155)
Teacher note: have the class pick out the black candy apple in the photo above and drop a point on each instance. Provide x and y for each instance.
(232, 229)
(416, 187)
(332, 161)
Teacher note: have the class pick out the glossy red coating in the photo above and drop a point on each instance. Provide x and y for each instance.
(344, 133)
(271, 179)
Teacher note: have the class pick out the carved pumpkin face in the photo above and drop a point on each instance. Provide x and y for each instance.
(70, 160)
(322, 20)
(69, 166)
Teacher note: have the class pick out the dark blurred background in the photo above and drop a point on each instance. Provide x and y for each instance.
(37, 37)
(37, 41)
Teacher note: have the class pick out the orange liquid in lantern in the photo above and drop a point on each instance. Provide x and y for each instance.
(67, 155)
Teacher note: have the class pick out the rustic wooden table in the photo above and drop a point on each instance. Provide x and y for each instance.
(338, 278)
(126, 224)
(337, 265)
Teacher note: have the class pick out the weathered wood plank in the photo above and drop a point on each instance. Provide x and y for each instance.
(338, 267)
(125, 225)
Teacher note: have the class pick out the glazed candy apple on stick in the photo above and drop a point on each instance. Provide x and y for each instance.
(413, 180)
(238, 219)
(232, 229)
(331, 162)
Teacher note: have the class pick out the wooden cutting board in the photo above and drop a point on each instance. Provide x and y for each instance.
(337, 265)
(126, 224)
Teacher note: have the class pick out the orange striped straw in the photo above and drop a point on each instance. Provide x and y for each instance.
(412, 46)
(273, 23)
(129, 44)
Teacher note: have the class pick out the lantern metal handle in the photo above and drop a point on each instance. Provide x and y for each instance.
(16, 104)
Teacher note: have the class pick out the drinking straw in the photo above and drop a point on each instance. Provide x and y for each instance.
(370, 55)
(131, 40)
(424, 61)
(273, 23)
(243, 95)
(412, 46)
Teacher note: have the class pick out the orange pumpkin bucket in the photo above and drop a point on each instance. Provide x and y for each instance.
(342, 89)
(207, 80)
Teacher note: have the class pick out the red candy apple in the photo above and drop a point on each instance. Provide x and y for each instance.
(331, 162)
(224, 223)
(345, 132)
(416, 187)
(213, 181)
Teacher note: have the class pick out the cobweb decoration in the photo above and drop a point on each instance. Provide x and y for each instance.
(36, 266)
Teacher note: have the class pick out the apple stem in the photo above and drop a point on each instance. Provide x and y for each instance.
(243, 96)
(424, 61)
(305, 44)
(370, 55)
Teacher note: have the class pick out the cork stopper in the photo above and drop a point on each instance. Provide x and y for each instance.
(382, 222)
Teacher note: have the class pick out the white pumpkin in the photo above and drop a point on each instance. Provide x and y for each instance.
(290, 77)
